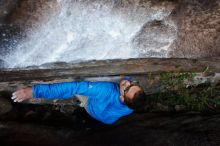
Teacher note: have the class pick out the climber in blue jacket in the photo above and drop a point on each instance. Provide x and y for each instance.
(104, 101)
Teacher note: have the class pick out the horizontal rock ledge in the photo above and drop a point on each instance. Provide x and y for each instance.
(110, 68)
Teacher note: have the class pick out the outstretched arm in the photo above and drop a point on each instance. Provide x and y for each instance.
(56, 90)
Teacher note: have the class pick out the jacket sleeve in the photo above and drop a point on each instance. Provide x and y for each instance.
(60, 90)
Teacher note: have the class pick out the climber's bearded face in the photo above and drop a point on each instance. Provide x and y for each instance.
(128, 89)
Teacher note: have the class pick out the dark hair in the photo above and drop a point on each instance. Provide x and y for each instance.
(137, 102)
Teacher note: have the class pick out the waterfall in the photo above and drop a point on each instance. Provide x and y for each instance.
(95, 30)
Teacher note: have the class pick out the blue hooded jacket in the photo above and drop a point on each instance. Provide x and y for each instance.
(104, 102)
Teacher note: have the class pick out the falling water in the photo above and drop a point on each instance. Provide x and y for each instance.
(82, 30)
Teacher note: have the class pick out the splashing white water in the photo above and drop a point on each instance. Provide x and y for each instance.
(85, 31)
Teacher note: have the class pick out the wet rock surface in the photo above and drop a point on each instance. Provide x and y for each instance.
(10, 36)
(156, 32)
(2, 64)
(197, 23)
(197, 35)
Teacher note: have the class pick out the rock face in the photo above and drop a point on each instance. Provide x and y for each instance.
(185, 28)
(198, 29)
(6, 8)
(150, 37)
(195, 26)
(28, 14)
